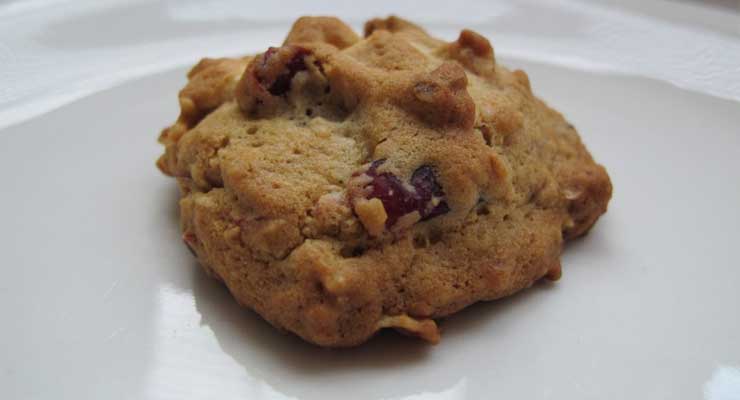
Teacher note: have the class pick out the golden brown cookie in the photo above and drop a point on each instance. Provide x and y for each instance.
(339, 185)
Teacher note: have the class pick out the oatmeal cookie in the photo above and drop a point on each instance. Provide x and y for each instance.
(338, 184)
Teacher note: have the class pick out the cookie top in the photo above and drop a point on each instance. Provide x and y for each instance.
(339, 184)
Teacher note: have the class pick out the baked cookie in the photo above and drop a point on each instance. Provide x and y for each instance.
(339, 185)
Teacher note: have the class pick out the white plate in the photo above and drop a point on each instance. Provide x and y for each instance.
(100, 299)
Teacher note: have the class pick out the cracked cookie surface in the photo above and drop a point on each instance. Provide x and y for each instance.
(338, 185)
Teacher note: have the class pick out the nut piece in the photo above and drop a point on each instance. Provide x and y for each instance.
(424, 328)
(473, 51)
(372, 215)
(480, 46)
(441, 99)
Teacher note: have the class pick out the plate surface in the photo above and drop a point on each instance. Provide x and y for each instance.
(101, 299)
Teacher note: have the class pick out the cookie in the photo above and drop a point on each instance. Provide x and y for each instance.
(339, 185)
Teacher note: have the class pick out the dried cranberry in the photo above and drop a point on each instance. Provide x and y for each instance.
(427, 188)
(281, 84)
(268, 54)
(424, 194)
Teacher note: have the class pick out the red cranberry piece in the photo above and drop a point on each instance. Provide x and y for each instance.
(372, 171)
(268, 54)
(428, 189)
(281, 84)
(425, 195)
(397, 201)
